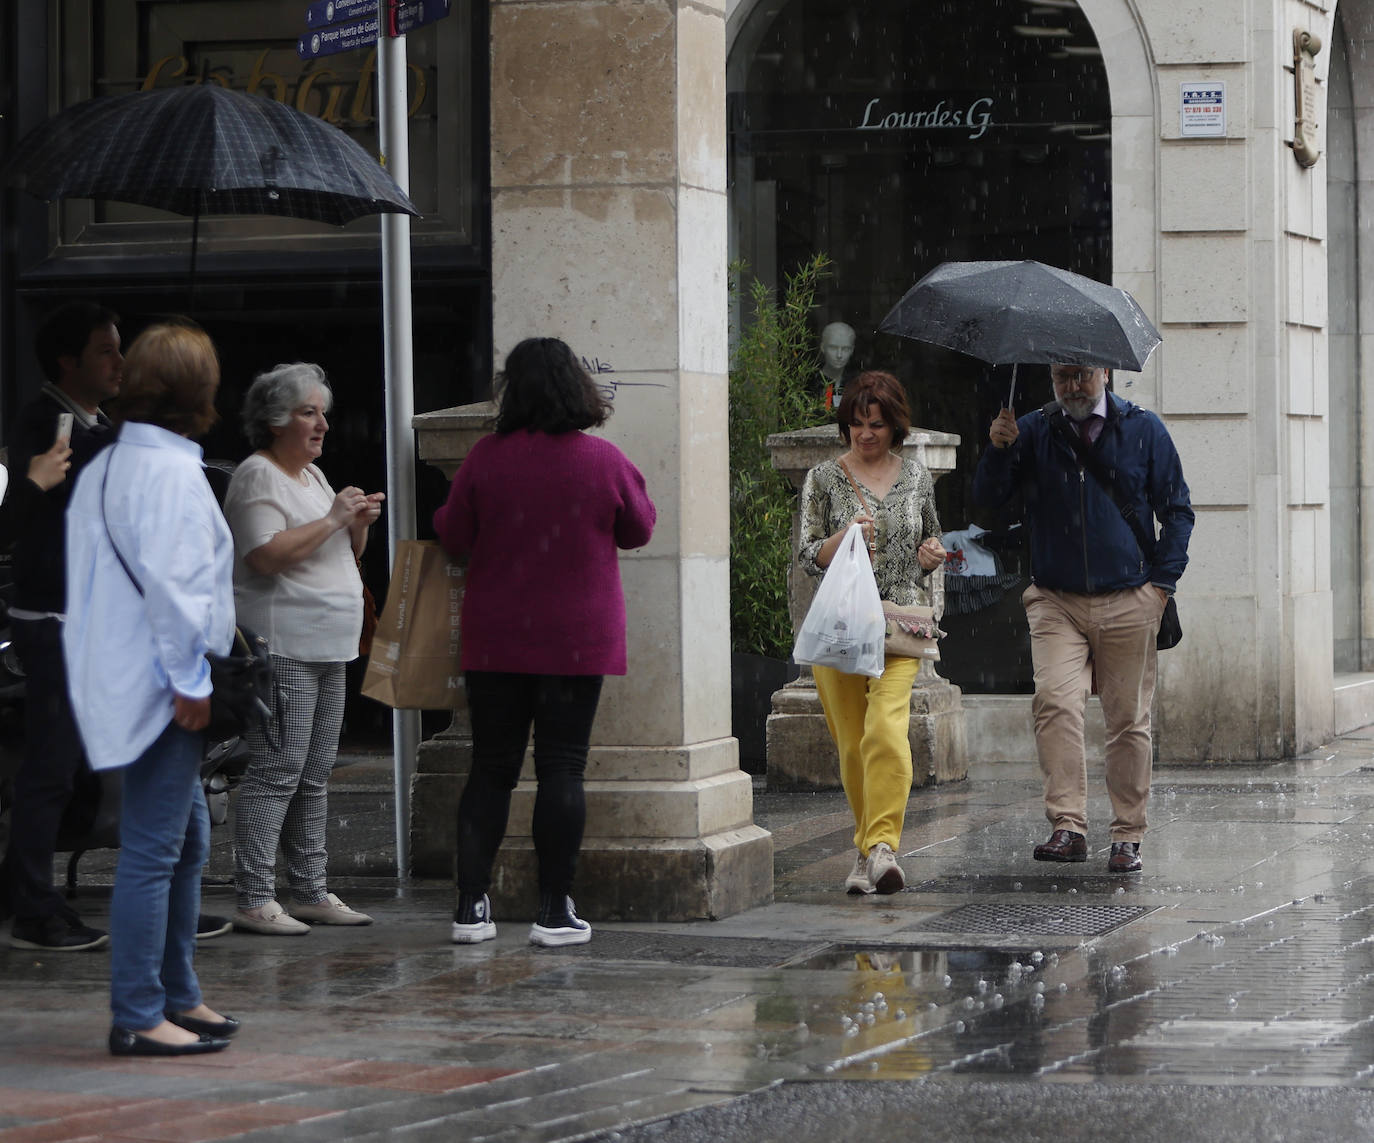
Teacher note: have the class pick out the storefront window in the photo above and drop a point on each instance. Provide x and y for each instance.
(267, 289)
(891, 137)
(250, 46)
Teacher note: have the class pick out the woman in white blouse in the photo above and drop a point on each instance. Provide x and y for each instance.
(148, 594)
(296, 583)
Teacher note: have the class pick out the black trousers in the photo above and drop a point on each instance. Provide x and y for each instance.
(53, 758)
(504, 706)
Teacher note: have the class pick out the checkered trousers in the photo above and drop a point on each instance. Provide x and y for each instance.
(283, 795)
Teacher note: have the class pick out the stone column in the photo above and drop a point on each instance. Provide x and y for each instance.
(801, 754)
(608, 218)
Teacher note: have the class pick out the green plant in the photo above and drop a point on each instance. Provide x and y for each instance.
(773, 365)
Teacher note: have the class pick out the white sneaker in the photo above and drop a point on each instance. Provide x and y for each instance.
(559, 926)
(330, 911)
(473, 925)
(270, 919)
(883, 870)
(857, 882)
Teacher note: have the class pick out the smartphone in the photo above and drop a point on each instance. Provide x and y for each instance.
(64, 428)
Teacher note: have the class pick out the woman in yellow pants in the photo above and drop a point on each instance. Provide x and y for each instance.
(893, 499)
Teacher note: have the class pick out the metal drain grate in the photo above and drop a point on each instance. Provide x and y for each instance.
(1016, 920)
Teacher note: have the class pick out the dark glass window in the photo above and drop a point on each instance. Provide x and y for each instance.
(892, 136)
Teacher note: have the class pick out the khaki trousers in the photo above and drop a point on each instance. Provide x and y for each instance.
(1072, 636)
(869, 719)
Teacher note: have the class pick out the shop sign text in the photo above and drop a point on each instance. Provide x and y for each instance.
(976, 118)
(335, 97)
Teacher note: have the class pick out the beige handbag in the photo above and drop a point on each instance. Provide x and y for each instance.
(911, 629)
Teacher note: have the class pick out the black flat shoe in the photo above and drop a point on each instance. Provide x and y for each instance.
(124, 1042)
(220, 1029)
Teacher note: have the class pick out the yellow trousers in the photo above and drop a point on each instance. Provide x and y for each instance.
(869, 720)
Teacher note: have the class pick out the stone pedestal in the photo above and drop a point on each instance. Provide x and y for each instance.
(608, 223)
(801, 754)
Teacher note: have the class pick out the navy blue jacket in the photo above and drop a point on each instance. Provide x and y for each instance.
(1079, 540)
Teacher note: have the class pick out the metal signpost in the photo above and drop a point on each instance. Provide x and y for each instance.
(342, 25)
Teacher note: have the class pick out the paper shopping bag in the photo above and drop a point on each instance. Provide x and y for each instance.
(414, 659)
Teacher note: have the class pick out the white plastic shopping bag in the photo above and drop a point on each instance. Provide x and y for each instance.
(844, 628)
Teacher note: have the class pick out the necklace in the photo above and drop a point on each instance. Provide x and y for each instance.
(871, 475)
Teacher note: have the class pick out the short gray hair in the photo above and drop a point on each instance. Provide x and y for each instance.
(275, 393)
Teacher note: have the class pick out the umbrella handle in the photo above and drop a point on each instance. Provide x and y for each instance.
(1012, 395)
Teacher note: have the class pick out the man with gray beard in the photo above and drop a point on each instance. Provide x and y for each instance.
(1096, 597)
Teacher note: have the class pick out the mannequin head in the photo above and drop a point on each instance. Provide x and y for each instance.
(837, 347)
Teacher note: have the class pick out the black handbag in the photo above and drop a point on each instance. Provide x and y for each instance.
(243, 684)
(1170, 631)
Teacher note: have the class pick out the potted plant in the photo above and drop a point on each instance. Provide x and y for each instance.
(771, 372)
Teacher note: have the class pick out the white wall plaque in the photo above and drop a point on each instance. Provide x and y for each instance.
(1202, 109)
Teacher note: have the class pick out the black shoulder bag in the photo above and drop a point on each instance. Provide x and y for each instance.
(1170, 629)
(242, 682)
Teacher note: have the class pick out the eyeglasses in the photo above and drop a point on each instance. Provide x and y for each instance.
(1072, 375)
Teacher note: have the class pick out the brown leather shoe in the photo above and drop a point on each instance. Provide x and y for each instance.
(1125, 857)
(1064, 845)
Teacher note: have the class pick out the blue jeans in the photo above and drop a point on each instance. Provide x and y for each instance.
(164, 843)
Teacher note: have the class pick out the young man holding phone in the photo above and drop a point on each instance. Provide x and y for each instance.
(78, 347)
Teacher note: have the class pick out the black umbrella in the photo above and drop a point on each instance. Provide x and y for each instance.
(204, 149)
(1007, 313)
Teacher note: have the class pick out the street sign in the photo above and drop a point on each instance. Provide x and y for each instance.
(324, 12)
(338, 38)
(328, 36)
(412, 14)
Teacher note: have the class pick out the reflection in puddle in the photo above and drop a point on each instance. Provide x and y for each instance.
(900, 1010)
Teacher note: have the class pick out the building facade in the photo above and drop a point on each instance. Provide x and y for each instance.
(587, 167)
(1203, 156)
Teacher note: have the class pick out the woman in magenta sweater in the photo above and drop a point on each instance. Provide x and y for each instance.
(539, 509)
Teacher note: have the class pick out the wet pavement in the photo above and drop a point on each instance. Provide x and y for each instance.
(1227, 992)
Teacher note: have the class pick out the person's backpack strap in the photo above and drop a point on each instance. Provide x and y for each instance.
(1063, 427)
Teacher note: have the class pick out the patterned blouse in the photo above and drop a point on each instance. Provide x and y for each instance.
(902, 520)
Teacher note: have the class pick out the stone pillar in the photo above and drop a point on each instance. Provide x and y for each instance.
(608, 219)
(801, 754)
(441, 763)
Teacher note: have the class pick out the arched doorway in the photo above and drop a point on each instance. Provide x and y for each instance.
(890, 142)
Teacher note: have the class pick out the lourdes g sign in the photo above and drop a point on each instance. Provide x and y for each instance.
(975, 118)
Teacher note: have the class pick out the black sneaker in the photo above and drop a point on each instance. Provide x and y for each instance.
(559, 924)
(472, 921)
(208, 925)
(56, 934)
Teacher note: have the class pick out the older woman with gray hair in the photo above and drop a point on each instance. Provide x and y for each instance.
(296, 582)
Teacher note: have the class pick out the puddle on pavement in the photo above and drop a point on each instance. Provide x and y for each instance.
(1283, 996)
(899, 1013)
